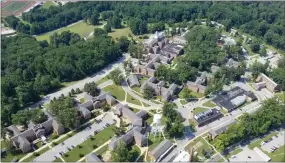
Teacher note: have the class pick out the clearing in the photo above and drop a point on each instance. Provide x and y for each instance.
(81, 28)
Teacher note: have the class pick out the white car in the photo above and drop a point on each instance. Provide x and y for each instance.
(233, 156)
(262, 143)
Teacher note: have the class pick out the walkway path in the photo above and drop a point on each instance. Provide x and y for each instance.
(95, 150)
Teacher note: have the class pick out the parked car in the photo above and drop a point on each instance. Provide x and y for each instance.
(262, 143)
(275, 147)
(272, 149)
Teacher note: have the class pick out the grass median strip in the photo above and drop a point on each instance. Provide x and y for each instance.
(36, 154)
(89, 145)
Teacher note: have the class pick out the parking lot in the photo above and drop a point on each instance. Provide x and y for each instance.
(77, 139)
(247, 155)
(276, 141)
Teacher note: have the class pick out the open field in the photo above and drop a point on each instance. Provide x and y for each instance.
(209, 104)
(117, 91)
(132, 100)
(48, 4)
(117, 33)
(82, 28)
(199, 110)
(204, 151)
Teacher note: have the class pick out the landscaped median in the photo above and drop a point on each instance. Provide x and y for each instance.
(89, 145)
(36, 154)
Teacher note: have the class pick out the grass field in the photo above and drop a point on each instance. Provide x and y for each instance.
(15, 6)
(198, 110)
(132, 100)
(106, 78)
(117, 91)
(32, 157)
(281, 96)
(209, 104)
(154, 141)
(47, 4)
(117, 33)
(82, 28)
(88, 146)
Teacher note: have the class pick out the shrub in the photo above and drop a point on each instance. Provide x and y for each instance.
(94, 146)
(81, 155)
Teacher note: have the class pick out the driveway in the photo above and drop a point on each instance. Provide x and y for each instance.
(134, 95)
(77, 139)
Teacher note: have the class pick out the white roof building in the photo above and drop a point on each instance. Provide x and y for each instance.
(182, 157)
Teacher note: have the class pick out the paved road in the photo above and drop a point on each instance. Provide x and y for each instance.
(80, 84)
(134, 95)
(75, 140)
(186, 112)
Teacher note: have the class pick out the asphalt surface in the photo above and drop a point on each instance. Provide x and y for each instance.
(75, 140)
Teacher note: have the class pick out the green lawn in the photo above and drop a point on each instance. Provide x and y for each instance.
(57, 160)
(209, 104)
(106, 78)
(193, 94)
(82, 28)
(198, 110)
(9, 157)
(183, 102)
(132, 100)
(257, 143)
(117, 91)
(102, 150)
(32, 157)
(154, 141)
(201, 145)
(47, 4)
(281, 96)
(278, 155)
(234, 152)
(192, 125)
(221, 160)
(117, 33)
(137, 89)
(66, 84)
(87, 146)
(143, 79)
(136, 152)
(223, 111)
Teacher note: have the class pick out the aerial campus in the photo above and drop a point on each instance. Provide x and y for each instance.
(142, 81)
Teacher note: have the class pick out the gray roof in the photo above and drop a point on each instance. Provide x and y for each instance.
(129, 114)
(232, 63)
(24, 144)
(92, 157)
(84, 111)
(128, 138)
(223, 128)
(133, 80)
(141, 113)
(87, 104)
(14, 129)
(161, 149)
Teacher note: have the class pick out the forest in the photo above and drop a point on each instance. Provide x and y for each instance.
(31, 68)
(269, 117)
(261, 19)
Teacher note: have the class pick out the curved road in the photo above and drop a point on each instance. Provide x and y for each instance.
(80, 84)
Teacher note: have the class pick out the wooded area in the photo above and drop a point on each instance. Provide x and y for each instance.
(31, 68)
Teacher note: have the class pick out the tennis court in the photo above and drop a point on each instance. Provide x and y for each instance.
(15, 7)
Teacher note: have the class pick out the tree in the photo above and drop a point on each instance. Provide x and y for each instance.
(91, 88)
(69, 117)
(263, 51)
(121, 153)
(124, 43)
(186, 94)
(148, 92)
(26, 94)
(116, 22)
(255, 46)
(94, 19)
(108, 27)
(117, 76)
(99, 32)
(119, 131)
(135, 50)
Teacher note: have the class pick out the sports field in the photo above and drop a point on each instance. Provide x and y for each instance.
(15, 7)
(82, 28)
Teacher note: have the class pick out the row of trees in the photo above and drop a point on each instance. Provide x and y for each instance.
(270, 116)
(64, 110)
(31, 68)
(261, 19)
(174, 126)
(23, 117)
